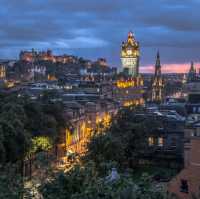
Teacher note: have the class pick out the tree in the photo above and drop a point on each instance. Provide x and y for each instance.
(22, 120)
(45, 119)
(13, 133)
(83, 182)
(126, 139)
(104, 148)
(11, 184)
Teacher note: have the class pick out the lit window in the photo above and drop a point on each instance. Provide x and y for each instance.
(151, 141)
(160, 141)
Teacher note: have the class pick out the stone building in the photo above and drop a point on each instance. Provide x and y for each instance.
(192, 75)
(186, 185)
(34, 56)
(128, 86)
(130, 55)
(157, 82)
(2, 72)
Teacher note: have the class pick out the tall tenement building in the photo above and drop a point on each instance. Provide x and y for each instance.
(158, 82)
(130, 55)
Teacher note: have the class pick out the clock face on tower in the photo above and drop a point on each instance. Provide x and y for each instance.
(130, 55)
(129, 52)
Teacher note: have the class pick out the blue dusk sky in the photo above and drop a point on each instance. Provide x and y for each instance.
(96, 28)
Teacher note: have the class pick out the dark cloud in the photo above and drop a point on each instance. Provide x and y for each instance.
(94, 28)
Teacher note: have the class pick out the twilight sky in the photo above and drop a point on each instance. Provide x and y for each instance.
(96, 28)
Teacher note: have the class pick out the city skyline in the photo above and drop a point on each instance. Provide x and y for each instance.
(96, 29)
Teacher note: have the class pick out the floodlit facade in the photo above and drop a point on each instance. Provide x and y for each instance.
(129, 91)
(2, 72)
(157, 83)
(129, 86)
(130, 55)
(33, 56)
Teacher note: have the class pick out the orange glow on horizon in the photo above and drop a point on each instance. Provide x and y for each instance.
(170, 68)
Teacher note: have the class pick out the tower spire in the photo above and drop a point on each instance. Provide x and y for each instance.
(192, 69)
(158, 65)
(192, 72)
(158, 54)
(157, 83)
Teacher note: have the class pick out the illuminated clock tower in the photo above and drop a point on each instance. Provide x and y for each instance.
(130, 54)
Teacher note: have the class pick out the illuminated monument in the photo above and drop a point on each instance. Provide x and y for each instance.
(130, 55)
(158, 82)
(129, 84)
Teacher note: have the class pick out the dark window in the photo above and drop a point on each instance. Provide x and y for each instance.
(184, 186)
(194, 98)
(173, 142)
